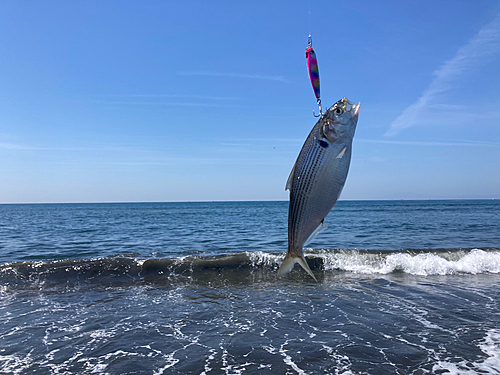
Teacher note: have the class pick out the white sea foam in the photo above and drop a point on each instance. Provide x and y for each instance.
(472, 262)
(490, 346)
(289, 360)
(15, 364)
(261, 258)
(451, 262)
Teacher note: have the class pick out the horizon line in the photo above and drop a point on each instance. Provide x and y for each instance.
(252, 201)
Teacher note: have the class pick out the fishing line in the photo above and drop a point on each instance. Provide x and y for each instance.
(309, 17)
(312, 67)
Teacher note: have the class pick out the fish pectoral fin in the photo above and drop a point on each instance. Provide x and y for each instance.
(288, 185)
(341, 153)
(289, 263)
(322, 226)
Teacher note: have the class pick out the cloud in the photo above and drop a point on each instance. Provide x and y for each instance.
(471, 55)
(154, 96)
(163, 100)
(12, 146)
(430, 143)
(164, 104)
(235, 75)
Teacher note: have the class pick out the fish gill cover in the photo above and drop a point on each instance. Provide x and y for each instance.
(245, 267)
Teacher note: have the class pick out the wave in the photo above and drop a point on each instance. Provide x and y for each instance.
(416, 262)
(245, 267)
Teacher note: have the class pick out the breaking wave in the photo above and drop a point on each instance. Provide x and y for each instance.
(415, 262)
(247, 267)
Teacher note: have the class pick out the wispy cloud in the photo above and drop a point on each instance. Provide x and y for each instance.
(235, 75)
(12, 146)
(166, 100)
(162, 104)
(431, 143)
(160, 96)
(471, 55)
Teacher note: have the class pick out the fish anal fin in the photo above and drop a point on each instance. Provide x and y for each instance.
(321, 227)
(341, 153)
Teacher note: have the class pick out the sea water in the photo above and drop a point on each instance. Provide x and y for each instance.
(404, 287)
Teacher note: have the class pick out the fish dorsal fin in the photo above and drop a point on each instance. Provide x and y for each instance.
(288, 185)
(341, 153)
(322, 226)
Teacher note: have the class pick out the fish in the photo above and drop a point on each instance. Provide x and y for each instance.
(317, 179)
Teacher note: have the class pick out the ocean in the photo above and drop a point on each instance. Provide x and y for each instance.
(404, 287)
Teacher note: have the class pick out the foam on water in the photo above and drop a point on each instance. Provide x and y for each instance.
(263, 259)
(490, 346)
(366, 325)
(475, 261)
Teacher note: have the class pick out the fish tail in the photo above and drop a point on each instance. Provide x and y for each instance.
(289, 263)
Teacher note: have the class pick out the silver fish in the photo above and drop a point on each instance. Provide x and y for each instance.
(317, 178)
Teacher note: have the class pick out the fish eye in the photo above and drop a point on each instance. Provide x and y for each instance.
(338, 111)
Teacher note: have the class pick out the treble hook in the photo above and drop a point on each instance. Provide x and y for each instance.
(320, 110)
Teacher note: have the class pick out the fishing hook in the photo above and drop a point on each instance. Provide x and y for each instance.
(320, 110)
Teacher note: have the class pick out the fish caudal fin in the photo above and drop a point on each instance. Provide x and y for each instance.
(289, 263)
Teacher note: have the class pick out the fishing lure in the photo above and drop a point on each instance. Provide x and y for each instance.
(312, 66)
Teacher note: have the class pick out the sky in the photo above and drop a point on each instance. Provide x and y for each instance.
(154, 101)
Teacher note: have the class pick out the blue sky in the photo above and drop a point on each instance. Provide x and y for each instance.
(116, 101)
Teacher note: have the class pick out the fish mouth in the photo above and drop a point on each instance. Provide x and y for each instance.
(356, 109)
(351, 107)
